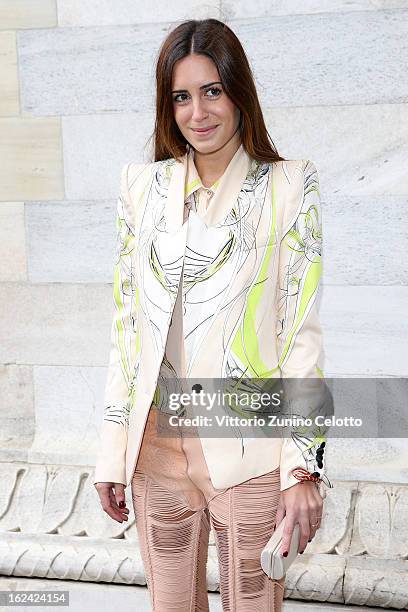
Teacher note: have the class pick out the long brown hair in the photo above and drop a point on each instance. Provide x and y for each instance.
(217, 41)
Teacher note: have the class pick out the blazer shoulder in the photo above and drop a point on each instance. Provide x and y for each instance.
(293, 179)
(294, 174)
(294, 166)
(132, 170)
(133, 177)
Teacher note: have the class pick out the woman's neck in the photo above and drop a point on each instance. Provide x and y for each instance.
(211, 166)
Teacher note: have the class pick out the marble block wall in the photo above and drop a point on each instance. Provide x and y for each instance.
(76, 103)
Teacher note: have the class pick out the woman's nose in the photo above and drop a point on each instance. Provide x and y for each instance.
(199, 112)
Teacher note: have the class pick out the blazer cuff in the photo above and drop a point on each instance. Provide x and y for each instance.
(111, 458)
(291, 458)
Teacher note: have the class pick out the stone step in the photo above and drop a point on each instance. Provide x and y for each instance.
(103, 597)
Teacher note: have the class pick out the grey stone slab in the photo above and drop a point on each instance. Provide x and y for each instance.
(99, 12)
(13, 254)
(17, 406)
(358, 150)
(71, 241)
(355, 57)
(353, 459)
(376, 232)
(334, 59)
(365, 330)
(68, 414)
(55, 324)
(240, 9)
(125, 12)
(68, 71)
(96, 147)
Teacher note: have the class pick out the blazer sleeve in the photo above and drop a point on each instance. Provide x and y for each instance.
(111, 456)
(299, 334)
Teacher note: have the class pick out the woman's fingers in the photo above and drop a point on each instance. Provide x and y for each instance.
(287, 534)
(108, 507)
(303, 505)
(108, 502)
(315, 513)
(280, 513)
(315, 523)
(119, 496)
(123, 512)
(304, 532)
(305, 535)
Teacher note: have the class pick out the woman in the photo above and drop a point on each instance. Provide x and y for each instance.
(205, 242)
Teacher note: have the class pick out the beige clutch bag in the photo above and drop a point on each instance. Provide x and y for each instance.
(273, 563)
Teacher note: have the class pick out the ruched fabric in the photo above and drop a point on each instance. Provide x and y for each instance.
(175, 506)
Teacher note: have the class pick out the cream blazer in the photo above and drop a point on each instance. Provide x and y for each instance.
(249, 305)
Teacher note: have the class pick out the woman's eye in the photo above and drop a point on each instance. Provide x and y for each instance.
(178, 95)
(216, 89)
(216, 92)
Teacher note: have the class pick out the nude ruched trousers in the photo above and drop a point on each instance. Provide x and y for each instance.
(175, 506)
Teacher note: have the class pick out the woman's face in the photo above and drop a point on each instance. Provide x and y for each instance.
(199, 101)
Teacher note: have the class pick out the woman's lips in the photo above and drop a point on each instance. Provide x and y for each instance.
(204, 132)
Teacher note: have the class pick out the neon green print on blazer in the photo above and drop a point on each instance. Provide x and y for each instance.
(249, 303)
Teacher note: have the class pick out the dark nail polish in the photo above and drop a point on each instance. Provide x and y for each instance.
(121, 504)
(285, 554)
(309, 540)
(301, 552)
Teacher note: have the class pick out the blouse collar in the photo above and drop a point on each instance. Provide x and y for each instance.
(185, 179)
(193, 180)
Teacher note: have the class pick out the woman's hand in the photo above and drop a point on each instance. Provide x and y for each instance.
(301, 503)
(112, 496)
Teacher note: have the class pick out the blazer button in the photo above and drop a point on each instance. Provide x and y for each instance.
(197, 388)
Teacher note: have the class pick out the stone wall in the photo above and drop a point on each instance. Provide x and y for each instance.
(76, 103)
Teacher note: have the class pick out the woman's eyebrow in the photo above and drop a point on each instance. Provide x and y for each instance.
(202, 87)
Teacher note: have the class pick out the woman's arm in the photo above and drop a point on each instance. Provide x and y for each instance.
(299, 332)
(299, 338)
(110, 471)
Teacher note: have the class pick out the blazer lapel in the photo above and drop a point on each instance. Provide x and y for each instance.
(174, 207)
(228, 188)
(225, 196)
